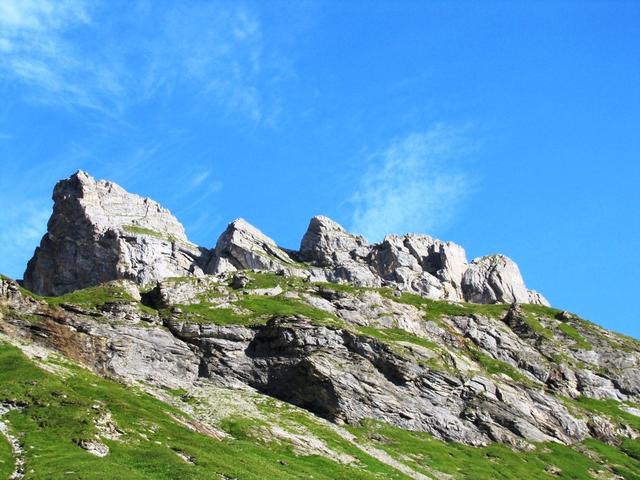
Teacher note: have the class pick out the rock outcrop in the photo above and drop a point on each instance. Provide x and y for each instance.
(100, 232)
(421, 264)
(328, 244)
(243, 247)
(496, 279)
(413, 263)
(339, 255)
(347, 378)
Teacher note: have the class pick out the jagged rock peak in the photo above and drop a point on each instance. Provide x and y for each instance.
(107, 205)
(100, 232)
(327, 243)
(414, 263)
(422, 264)
(242, 246)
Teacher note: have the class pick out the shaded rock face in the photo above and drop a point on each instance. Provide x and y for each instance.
(100, 232)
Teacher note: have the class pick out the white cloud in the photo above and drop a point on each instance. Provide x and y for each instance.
(415, 185)
(85, 54)
(35, 52)
(199, 178)
(39, 15)
(219, 48)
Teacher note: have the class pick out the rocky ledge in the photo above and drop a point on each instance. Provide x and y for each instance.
(474, 374)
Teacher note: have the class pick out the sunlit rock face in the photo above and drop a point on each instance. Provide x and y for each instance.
(413, 263)
(100, 232)
(497, 279)
(243, 247)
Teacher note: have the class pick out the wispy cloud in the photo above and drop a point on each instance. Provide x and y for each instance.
(198, 188)
(77, 54)
(220, 48)
(197, 180)
(35, 51)
(415, 185)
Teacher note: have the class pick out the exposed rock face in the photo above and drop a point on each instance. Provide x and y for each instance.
(340, 255)
(496, 279)
(100, 232)
(125, 345)
(421, 264)
(414, 263)
(243, 247)
(436, 377)
(347, 378)
(328, 244)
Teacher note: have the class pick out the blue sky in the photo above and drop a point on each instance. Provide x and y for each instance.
(508, 127)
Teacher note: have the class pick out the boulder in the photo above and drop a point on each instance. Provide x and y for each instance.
(100, 232)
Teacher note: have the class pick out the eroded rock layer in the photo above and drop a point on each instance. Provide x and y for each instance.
(348, 355)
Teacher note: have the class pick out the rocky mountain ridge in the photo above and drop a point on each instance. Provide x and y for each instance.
(366, 355)
(99, 232)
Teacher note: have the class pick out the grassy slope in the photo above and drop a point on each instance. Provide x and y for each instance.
(92, 296)
(59, 413)
(260, 308)
(6, 459)
(547, 461)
